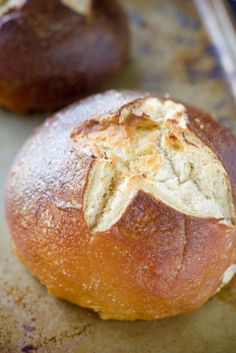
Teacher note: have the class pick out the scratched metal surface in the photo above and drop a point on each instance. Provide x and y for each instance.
(170, 53)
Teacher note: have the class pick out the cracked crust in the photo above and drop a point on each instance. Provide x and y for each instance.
(70, 53)
(155, 261)
(148, 146)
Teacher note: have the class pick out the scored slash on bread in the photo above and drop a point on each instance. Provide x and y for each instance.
(147, 146)
(125, 203)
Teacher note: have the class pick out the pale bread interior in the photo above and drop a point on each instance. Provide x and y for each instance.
(80, 6)
(228, 275)
(6, 5)
(148, 147)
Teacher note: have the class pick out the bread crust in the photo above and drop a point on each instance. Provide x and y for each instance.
(153, 262)
(50, 55)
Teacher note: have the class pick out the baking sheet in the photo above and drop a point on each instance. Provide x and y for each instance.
(170, 53)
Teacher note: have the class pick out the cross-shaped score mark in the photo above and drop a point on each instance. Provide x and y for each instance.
(147, 146)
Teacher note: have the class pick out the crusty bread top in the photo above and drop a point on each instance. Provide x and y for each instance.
(147, 146)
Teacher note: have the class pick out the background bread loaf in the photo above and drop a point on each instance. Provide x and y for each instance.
(52, 52)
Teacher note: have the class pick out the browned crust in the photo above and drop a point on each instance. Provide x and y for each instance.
(223, 142)
(154, 262)
(51, 55)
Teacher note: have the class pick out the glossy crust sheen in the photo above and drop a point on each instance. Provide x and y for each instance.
(50, 55)
(154, 262)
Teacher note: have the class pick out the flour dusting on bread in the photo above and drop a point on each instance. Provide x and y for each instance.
(147, 146)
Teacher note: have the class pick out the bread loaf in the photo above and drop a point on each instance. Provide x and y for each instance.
(124, 203)
(52, 52)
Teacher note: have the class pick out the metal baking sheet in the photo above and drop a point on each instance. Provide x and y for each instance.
(170, 53)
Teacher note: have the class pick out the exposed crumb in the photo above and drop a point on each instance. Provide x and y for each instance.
(80, 6)
(228, 274)
(147, 146)
(6, 5)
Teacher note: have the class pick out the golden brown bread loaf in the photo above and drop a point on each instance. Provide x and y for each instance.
(125, 203)
(52, 52)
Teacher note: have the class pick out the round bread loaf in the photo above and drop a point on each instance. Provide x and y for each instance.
(52, 52)
(124, 203)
